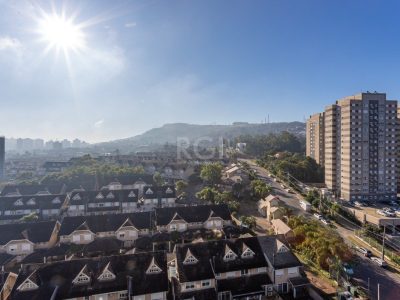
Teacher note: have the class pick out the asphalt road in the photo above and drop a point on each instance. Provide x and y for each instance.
(291, 200)
(364, 269)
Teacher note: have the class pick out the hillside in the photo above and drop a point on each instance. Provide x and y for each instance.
(169, 133)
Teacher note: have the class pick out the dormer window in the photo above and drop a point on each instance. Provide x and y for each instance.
(229, 254)
(83, 277)
(149, 192)
(99, 196)
(131, 195)
(190, 259)
(27, 285)
(153, 268)
(110, 196)
(77, 197)
(282, 249)
(247, 253)
(169, 190)
(18, 202)
(107, 274)
(31, 201)
(56, 200)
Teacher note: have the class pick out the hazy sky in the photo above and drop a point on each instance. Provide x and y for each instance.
(141, 64)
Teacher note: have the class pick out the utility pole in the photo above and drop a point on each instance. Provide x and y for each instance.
(383, 243)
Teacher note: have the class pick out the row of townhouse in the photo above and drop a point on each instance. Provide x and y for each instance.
(24, 238)
(81, 202)
(246, 268)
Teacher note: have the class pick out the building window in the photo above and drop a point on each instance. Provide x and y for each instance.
(206, 283)
(189, 286)
(224, 296)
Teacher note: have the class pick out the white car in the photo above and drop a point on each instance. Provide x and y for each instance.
(358, 204)
(381, 212)
(325, 221)
(363, 251)
(318, 216)
(379, 262)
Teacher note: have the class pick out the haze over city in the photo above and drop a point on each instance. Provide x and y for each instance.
(128, 66)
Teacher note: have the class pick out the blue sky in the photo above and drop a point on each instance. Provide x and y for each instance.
(147, 63)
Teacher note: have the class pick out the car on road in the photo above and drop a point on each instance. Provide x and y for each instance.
(348, 269)
(289, 191)
(363, 251)
(325, 221)
(318, 216)
(379, 262)
(386, 212)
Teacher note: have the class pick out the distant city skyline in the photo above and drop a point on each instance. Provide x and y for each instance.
(121, 68)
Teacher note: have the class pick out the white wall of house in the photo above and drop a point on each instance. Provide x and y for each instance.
(18, 247)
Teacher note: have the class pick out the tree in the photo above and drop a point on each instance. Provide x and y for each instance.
(249, 221)
(260, 189)
(29, 218)
(158, 179)
(207, 194)
(211, 173)
(181, 186)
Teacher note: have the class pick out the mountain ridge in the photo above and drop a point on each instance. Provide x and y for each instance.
(171, 132)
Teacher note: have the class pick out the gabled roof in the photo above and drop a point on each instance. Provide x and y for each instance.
(30, 202)
(270, 246)
(107, 222)
(104, 195)
(280, 226)
(154, 192)
(83, 226)
(191, 214)
(63, 273)
(213, 252)
(32, 189)
(36, 232)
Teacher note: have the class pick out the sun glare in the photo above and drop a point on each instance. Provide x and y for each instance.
(61, 33)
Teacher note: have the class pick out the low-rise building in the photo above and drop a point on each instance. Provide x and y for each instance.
(24, 238)
(125, 227)
(154, 196)
(141, 276)
(281, 227)
(224, 269)
(44, 206)
(268, 206)
(182, 218)
(284, 268)
(82, 202)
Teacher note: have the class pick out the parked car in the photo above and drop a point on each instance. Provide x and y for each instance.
(379, 262)
(358, 204)
(289, 191)
(348, 269)
(318, 216)
(363, 251)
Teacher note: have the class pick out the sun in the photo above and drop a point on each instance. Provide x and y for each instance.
(60, 33)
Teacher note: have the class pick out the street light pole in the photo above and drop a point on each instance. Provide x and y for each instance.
(383, 243)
